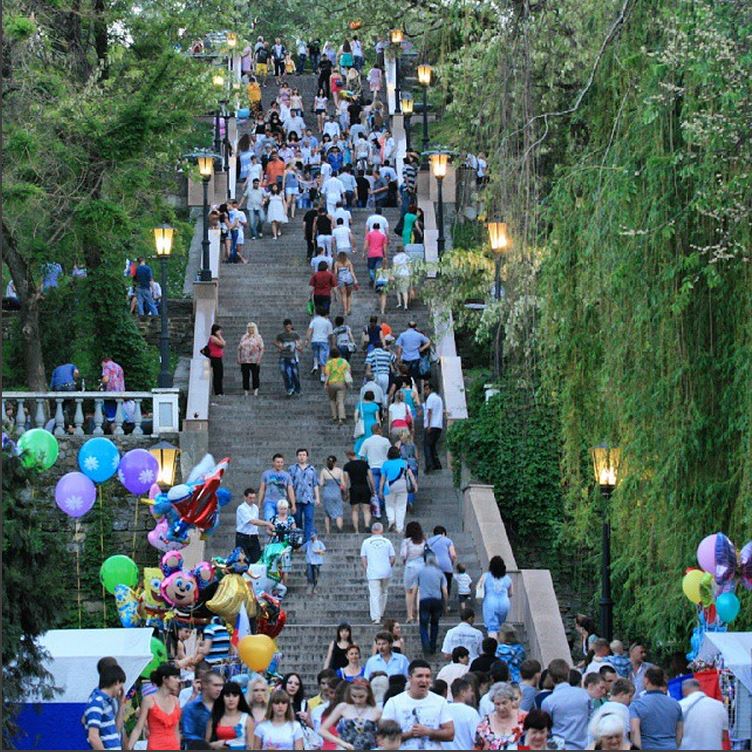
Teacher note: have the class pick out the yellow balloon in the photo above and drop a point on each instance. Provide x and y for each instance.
(256, 651)
(231, 594)
(691, 585)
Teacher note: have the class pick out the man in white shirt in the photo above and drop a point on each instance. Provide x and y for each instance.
(422, 715)
(378, 218)
(377, 557)
(433, 422)
(459, 666)
(331, 127)
(372, 386)
(322, 255)
(247, 523)
(705, 719)
(295, 123)
(373, 450)
(334, 190)
(319, 331)
(466, 718)
(388, 173)
(343, 237)
(341, 213)
(464, 635)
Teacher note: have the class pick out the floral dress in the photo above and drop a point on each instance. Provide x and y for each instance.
(250, 349)
(285, 562)
(513, 655)
(487, 738)
(359, 732)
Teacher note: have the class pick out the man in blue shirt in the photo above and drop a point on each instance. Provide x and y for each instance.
(144, 277)
(196, 713)
(101, 714)
(656, 718)
(305, 484)
(568, 706)
(276, 484)
(411, 344)
(392, 664)
(64, 378)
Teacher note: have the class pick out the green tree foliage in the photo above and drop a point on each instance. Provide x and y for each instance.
(647, 297)
(35, 589)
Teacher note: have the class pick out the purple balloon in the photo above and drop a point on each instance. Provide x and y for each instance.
(138, 470)
(75, 494)
(706, 553)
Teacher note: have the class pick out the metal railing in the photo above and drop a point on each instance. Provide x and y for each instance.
(81, 413)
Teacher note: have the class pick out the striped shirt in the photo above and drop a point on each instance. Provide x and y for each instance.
(380, 360)
(220, 642)
(100, 714)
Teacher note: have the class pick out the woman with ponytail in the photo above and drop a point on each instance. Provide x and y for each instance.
(160, 712)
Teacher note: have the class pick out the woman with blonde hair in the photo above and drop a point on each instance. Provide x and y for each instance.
(279, 730)
(344, 271)
(250, 352)
(257, 696)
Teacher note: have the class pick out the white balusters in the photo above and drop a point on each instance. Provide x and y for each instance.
(59, 418)
(98, 416)
(78, 418)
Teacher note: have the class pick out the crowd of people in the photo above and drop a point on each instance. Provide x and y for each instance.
(488, 696)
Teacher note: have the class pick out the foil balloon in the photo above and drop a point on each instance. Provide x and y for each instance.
(272, 617)
(158, 538)
(152, 606)
(231, 594)
(171, 562)
(256, 651)
(180, 589)
(127, 606)
(725, 559)
(745, 565)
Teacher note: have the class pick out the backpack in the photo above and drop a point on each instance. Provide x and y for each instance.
(427, 551)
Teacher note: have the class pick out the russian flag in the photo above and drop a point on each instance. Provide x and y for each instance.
(242, 626)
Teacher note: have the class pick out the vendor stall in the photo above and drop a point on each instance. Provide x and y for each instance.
(56, 723)
(730, 653)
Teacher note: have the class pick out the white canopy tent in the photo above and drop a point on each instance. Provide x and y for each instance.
(736, 650)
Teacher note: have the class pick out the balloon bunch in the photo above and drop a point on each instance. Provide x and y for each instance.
(193, 504)
(722, 567)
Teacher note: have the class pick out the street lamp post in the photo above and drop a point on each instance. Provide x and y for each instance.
(498, 236)
(407, 112)
(606, 462)
(206, 168)
(219, 84)
(396, 36)
(439, 163)
(424, 79)
(163, 243)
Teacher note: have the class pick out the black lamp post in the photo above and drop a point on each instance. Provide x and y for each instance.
(206, 168)
(498, 236)
(163, 243)
(424, 79)
(219, 84)
(606, 468)
(396, 36)
(407, 112)
(439, 163)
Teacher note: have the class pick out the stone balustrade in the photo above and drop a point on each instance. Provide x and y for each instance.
(60, 411)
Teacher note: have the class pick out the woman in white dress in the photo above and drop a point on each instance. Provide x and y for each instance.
(276, 211)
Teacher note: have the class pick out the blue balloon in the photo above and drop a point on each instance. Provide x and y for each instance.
(727, 607)
(99, 459)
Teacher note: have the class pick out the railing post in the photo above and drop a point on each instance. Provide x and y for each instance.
(98, 417)
(59, 417)
(118, 430)
(78, 419)
(20, 417)
(165, 411)
(137, 419)
(39, 416)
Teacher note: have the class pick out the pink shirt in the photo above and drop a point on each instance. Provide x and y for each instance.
(376, 241)
(116, 378)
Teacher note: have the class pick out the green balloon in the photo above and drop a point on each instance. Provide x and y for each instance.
(39, 449)
(118, 570)
(158, 655)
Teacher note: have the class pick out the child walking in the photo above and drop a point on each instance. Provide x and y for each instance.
(314, 553)
(464, 586)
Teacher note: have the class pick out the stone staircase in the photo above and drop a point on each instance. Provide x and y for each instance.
(271, 287)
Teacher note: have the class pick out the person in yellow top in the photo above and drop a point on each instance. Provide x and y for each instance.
(337, 379)
(253, 91)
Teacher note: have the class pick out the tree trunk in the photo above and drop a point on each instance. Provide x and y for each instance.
(29, 296)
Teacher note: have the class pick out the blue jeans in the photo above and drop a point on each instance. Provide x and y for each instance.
(255, 221)
(376, 472)
(289, 369)
(312, 573)
(304, 518)
(233, 245)
(143, 296)
(320, 353)
(358, 62)
(270, 509)
(430, 609)
(374, 263)
(301, 64)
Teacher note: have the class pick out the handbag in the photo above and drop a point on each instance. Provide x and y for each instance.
(480, 590)
(360, 427)
(205, 351)
(400, 226)
(349, 381)
(310, 307)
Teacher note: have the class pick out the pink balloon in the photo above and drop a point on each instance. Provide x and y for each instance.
(158, 538)
(706, 553)
(154, 491)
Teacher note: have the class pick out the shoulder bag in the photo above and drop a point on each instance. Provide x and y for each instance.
(360, 427)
